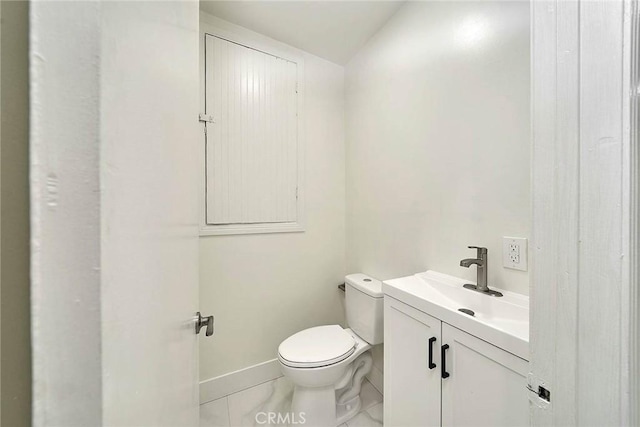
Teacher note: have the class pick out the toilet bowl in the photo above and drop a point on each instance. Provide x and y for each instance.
(327, 364)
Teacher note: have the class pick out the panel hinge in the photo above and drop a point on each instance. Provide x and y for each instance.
(206, 118)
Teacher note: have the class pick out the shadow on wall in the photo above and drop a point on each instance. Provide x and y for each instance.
(15, 360)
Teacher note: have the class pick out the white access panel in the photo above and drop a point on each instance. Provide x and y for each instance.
(252, 170)
(486, 385)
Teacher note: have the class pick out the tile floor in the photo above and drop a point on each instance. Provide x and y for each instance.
(240, 409)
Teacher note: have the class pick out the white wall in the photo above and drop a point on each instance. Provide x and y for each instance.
(437, 108)
(264, 287)
(114, 282)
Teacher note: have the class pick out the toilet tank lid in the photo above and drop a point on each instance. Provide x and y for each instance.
(366, 284)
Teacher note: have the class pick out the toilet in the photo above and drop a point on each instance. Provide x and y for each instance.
(327, 364)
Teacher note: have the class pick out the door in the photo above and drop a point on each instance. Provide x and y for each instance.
(411, 376)
(584, 340)
(488, 382)
(114, 195)
(150, 136)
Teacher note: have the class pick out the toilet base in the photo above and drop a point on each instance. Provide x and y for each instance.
(317, 406)
(328, 406)
(348, 410)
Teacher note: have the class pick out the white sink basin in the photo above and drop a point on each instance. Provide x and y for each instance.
(502, 321)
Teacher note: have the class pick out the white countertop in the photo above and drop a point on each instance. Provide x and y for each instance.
(501, 321)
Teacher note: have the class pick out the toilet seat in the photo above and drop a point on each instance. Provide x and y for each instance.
(317, 347)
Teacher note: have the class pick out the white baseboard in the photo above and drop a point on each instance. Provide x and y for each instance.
(233, 382)
(376, 378)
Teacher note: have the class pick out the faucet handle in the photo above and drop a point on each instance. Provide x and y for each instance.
(481, 250)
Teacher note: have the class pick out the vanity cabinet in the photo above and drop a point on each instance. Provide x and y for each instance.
(487, 386)
(438, 375)
(411, 387)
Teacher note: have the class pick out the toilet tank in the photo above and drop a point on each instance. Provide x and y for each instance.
(364, 306)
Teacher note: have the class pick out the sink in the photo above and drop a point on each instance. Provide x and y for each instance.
(503, 322)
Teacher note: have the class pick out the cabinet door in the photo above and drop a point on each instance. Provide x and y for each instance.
(486, 385)
(411, 385)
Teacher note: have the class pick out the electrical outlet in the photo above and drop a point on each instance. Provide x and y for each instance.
(514, 253)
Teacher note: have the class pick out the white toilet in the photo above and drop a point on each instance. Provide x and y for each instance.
(327, 364)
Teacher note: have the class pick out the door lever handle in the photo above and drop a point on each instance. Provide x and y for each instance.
(204, 321)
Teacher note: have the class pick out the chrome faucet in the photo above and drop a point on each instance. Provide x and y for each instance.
(481, 262)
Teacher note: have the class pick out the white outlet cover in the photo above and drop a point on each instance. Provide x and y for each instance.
(514, 253)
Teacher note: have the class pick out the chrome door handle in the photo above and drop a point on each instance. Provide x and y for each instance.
(204, 321)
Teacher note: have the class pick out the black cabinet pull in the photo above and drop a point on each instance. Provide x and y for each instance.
(443, 355)
(431, 341)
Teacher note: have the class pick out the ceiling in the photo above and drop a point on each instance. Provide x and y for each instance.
(333, 30)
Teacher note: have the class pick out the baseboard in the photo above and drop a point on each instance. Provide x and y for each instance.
(376, 378)
(233, 382)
